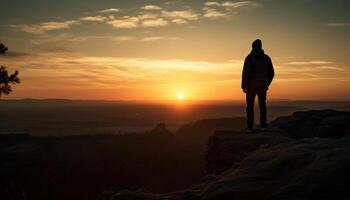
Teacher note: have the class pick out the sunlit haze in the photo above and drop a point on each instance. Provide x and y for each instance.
(175, 49)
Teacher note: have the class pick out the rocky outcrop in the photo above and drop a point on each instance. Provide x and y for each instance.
(161, 129)
(228, 147)
(312, 168)
(289, 161)
(201, 130)
(315, 123)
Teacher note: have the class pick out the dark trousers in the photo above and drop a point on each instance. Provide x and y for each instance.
(250, 99)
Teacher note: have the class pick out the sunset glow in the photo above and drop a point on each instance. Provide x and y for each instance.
(180, 97)
(148, 50)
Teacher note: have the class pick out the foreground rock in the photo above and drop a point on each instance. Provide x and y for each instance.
(315, 123)
(275, 164)
(226, 148)
(279, 168)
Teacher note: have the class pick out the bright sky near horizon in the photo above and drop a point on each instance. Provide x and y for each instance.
(174, 49)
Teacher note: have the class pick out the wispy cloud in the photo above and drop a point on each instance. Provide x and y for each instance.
(212, 3)
(123, 38)
(156, 38)
(143, 39)
(151, 16)
(338, 24)
(44, 27)
(97, 18)
(66, 37)
(315, 62)
(311, 73)
(81, 72)
(179, 21)
(62, 37)
(230, 4)
(331, 68)
(147, 16)
(155, 23)
(151, 7)
(109, 10)
(215, 10)
(112, 70)
(213, 14)
(125, 22)
(181, 14)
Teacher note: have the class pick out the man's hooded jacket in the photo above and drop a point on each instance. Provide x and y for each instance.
(258, 71)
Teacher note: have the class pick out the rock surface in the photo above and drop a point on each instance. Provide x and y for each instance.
(226, 148)
(288, 161)
(161, 129)
(275, 167)
(201, 130)
(315, 123)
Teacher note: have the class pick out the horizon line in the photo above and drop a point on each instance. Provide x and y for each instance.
(167, 100)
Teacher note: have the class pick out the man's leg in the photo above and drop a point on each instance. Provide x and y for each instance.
(250, 98)
(262, 106)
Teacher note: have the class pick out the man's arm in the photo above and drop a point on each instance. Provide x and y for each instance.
(244, 83)
(271, 72)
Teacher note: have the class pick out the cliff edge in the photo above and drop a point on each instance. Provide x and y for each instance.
(302, 156)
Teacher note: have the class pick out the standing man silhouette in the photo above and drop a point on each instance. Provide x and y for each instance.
(257, 76)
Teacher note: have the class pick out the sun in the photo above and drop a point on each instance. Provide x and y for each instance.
(180, 97)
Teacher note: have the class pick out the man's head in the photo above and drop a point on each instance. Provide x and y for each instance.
(257, 44)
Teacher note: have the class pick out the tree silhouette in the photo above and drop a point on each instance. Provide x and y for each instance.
(6, 80)
(3, 49)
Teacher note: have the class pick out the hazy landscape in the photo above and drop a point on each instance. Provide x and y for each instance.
(63, 149)
(74, 117)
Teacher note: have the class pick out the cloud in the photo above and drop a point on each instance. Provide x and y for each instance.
(214, 9)
(81, 72)
(147, 16)
(62, 37)
(44, 27)
(125, 22)
(316, 62)
(156, 38)
(109, 10)
(213, 14)
(338, 24)
(67, 37)
(158, 19)
(145, 39)
(179, 21)
(97, 18)
(331, 68)
(123, 38)
(230, 4)
(183, 14)
(151, 7)
(155, 23)
(212, 3)
(91, 73)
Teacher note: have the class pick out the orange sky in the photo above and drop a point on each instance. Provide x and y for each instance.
(160, 50)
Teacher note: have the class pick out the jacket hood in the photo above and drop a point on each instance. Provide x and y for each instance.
(257, 53)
